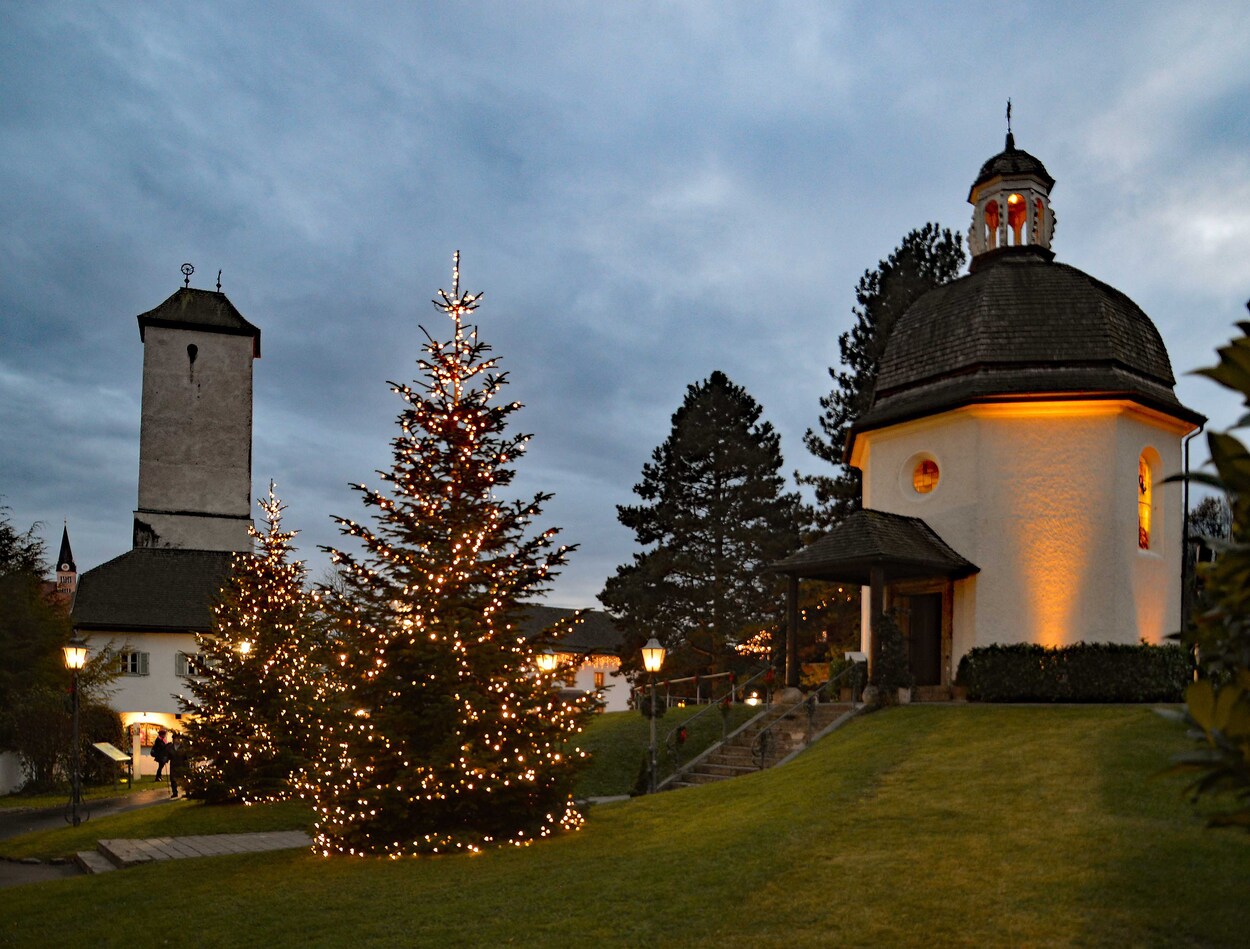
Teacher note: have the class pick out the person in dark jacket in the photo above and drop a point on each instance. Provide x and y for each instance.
(177, 760)
(160, 752)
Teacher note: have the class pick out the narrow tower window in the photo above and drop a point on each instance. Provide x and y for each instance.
(1016, 209)
(991, 225)
(1145, 493)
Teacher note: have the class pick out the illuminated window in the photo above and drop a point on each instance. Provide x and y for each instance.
(1016, 208)
(1145, 493)
(599, 680)
(991, 224)
(924, 476)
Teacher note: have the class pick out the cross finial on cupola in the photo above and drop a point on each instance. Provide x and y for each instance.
(1011, 205)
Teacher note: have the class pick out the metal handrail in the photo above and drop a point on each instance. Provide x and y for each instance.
(765, 739)
(670, 740)
(698, 680)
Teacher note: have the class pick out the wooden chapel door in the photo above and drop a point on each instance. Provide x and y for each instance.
(925, 638)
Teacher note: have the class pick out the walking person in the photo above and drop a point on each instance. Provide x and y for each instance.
(176, 759)
(160, 752)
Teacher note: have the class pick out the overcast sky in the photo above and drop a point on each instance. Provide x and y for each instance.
(646, 192)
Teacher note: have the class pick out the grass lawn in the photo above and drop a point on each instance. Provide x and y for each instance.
(179, 818)
(923, 825)
(617, 742)
(93, 792)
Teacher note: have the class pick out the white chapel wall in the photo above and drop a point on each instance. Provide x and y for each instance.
(1041, 497)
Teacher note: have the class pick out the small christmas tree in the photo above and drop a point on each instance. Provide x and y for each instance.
(255, 711)
(449, 738)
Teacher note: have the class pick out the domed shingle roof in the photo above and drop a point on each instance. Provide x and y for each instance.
(1012, 162)
(1020, 327)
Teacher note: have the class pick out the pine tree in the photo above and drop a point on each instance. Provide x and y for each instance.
(926, 258)
(714, 515)
(256, 705)
(33, 626)
(449, 738)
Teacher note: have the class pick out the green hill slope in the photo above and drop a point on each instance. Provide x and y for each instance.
(920, 826)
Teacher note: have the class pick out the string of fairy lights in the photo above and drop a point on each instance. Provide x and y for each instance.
(447, 736)
(763, 643)
(255, 706)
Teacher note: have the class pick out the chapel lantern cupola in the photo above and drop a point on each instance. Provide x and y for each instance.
(1011, 206)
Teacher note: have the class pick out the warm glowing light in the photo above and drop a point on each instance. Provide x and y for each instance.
(75, 655)
(1145, 497)
(652, 655)
(924, 478)
(753, 698)
(1016, 208)
(245, 647)
(546, 660)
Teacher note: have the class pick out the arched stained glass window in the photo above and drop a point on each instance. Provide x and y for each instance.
(1145, 495)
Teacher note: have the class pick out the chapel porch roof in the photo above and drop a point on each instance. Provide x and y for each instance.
(903, 547)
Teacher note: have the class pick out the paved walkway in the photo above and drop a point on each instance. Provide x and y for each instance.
(126, 853)
(14, 822)
(130, 853)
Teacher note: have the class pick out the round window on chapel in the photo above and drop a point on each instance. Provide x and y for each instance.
(924, 476)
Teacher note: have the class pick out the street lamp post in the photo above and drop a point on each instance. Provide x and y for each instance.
(652, 659)
(75, 659)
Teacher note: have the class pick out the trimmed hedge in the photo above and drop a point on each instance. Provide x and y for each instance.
(1084, 672)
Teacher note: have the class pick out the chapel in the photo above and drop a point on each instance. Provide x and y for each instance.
(1014, 454)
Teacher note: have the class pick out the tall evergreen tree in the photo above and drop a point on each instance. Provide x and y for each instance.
(927, 257)
(33, 625)
(714, 515)
(257, 702)
(451, 739)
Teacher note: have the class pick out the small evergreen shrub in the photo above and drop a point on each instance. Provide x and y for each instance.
(1083, 672)
(893, 669)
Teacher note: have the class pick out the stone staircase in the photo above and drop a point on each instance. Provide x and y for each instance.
(785, 732)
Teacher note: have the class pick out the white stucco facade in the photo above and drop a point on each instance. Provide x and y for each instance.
(1043, 497)
(148, 700)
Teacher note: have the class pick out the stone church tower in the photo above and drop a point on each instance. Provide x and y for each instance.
(194, 510)
(195, 442)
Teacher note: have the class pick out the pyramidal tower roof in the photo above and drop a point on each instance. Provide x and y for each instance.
(206, 310)
(65, 559)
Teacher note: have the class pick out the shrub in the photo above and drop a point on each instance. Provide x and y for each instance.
(893, 668)
(1084, 672)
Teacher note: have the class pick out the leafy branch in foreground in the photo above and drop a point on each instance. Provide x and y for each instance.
(1218, 703)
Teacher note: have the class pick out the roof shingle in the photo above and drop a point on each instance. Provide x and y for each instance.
(152, 590)
(905, 547)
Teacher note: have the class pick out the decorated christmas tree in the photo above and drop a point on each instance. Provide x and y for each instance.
(258, 684)
(449, 738)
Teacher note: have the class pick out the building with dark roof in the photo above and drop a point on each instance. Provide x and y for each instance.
(1024, 415)
(193, 511)
(585, 642)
